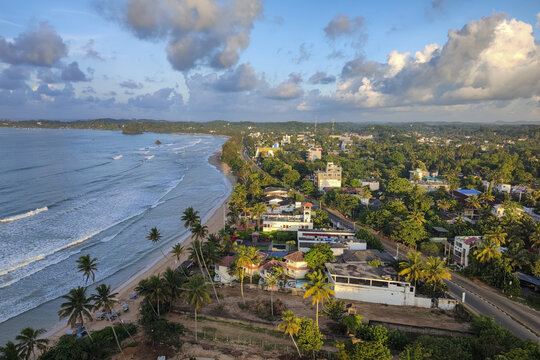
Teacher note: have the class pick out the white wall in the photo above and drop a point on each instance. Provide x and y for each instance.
(393, 295)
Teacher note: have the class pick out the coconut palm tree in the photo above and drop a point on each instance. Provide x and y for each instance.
(435, 271)
(443, 204)
(255, 260)
(154, 291)
(200, 232)
(258, 210)
(412, 268)
(173, 283)
(473, 202)
(417, 217)
(104, 299)
(319, 290)
(498, 235)
(290, 325)
(177, 251)
(28, 342)
(77, 307)
(87, 266)
(196, 295)
(190, 217)
(9, 352)
(243, 260)
(487, 250)
(486, 197)
(271, 281)
(154, 236)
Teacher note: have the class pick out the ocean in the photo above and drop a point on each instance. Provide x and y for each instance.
(66, 193)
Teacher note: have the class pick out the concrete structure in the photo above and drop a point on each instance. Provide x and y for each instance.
(296, 266)
(498, 210)
(372, 183)
(308, 238)
(469, 213)
(273, 222)
(329, 178)
(503, 188)
(222, 270)
(462, 247)
(264, 152)
(431, 184)
(314, 154)
(276, 191)
(379, 285)
(417, 174)
(365, 256)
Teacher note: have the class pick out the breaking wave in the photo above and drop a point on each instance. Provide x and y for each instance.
(23, 216)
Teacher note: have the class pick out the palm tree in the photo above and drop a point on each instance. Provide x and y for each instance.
(487, 197)
(443, 204)
(319, 290)
(87, 266)
(190, 217)
(9, 352)
(243, 260)
(255, 260)
(177, 251)
(173, 283)
(271, 281)
(259, 210)
(199, 232)
(154, 236)
(154, 291)
(290, 325)
(104, 299)
(28, 342)
(196, 295)
(412, 268)
(498, 235)
(474, 202)
(417, 217)
(77, 307)
(487, 250)
(435, 271)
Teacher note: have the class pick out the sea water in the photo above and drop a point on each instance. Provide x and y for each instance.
(67, 193)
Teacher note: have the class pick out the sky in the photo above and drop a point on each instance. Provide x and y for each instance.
(255, 60)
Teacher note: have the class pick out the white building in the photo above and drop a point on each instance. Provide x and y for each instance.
(296, 266)
(329, 178)
(308, 238)
(430, 184)
(417, 174)
(372, 183)
(264, 151)
(462, 247)
(362, 282)
(273, 222)
(222, 269)
(276, 191)
(314, 154)
(503, 188)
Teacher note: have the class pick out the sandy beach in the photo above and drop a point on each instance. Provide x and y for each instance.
(214, 223)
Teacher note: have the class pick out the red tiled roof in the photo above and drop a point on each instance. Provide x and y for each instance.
(271, 264)
(226, 261)
(296, 256)
(307, 204)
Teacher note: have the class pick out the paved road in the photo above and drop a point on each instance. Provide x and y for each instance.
(518, 318)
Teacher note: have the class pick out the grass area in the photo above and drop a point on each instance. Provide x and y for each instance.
(250, 328)
(533, 300)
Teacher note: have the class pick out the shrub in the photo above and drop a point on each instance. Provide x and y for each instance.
(429, 247)
(397, 340)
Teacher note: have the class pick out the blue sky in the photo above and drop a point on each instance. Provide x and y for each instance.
(271, 60)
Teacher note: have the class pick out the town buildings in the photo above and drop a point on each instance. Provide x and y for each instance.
(314, 154)
(462, 248)
(372, 183)
(329, 178)
(271, 222)
(308, 238)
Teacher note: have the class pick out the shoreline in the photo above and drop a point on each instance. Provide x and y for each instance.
(214, 220)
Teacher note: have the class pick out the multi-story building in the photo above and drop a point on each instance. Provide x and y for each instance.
(271, 222)
(329, 178)
(314, 154)
(462, 247)
(372, 183)
(417, 174)
(308, 238)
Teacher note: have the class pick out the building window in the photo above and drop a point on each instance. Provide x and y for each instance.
(379, 283)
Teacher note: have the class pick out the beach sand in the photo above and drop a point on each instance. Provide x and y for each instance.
(214, 224)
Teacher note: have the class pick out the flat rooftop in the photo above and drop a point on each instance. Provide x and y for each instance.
(362, 271)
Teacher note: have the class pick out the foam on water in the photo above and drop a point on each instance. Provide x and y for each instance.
(25, 215)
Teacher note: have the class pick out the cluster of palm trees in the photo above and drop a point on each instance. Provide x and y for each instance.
(247, 258)
(28, 342)
(433, 270)
(488, 249)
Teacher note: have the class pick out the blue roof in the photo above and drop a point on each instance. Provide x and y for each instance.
(468, 192)
(276, 253)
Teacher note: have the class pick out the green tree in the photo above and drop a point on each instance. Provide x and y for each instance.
(291, 177)
(190, 216)
(104, 299)
(307, 187)
(321, 220)
(154, 291)
(398, 187)
(271, 281)
(87, 266)
(309, 337)
(9, 352)
(318, 255)
(369, 350)
(77, 307)
(335, 310)
(290, 325)
(487, 250)
(196, 295)
(413, 268)
(242, 260)
(409, 233)
(154, 236)
(319, 290)
(259, 210)
(29, 341)
(177, 251)
(254, 260)
(435, 271)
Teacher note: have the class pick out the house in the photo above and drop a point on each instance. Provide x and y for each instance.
(271, 222)
(365, 256)
(276, 191)
(372, 183)
(417, 174)
(429, 183)
(314, 154)
(375, 284)
(329, 178)
(268, 266)
(462, 247)
(497, 210)
(469, 213)
(503, 188)
(264, 152)
(222, 269)
(308, 238)
(296, 266)
(278, 205)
